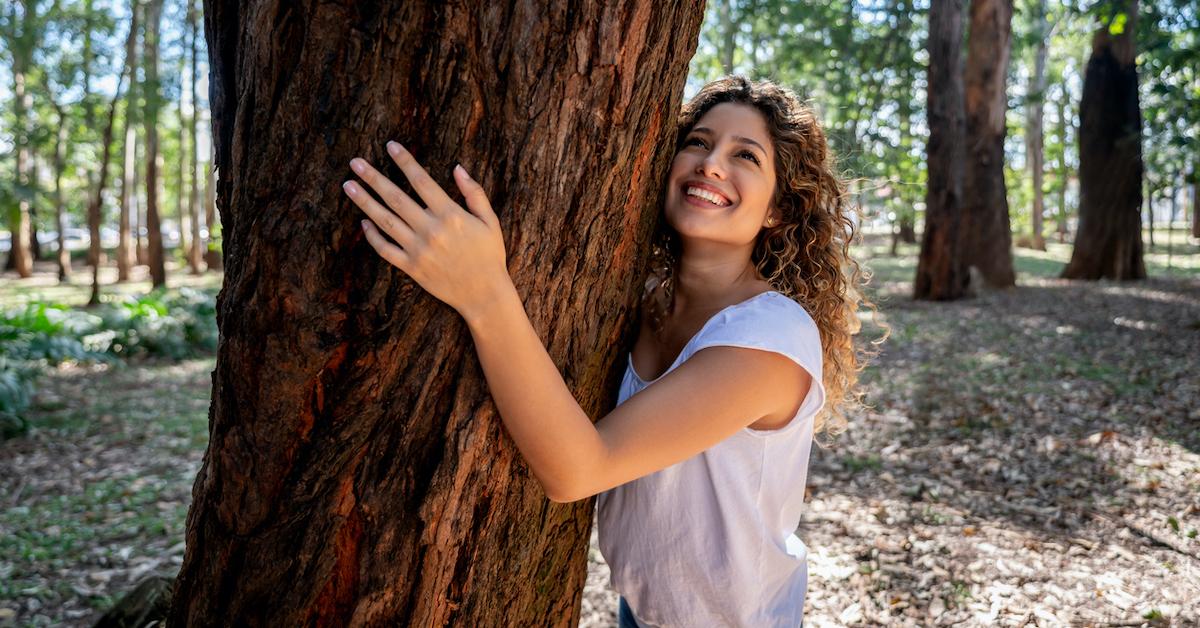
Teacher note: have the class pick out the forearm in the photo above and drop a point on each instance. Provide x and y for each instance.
(553, 433)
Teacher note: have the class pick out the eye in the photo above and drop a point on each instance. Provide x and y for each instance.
(693, 140)
(749, 154)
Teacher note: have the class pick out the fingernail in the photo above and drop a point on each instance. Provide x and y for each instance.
(393, 148)
(350, 187)
(364, 224)
(460, 170)
(358, 165)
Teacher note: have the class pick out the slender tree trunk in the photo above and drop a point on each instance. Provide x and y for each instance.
(1108, 243)
(125, 244)
(357, 472)
(1196, 199)
(181, 193)
(19, 256)
(1063, 174)
(1034, 149)
(988, 236)
(153, 99)
(728, 31)
(35, 177)
(1149, 195)
(195, 253)
(95, 205)
(61, 144)
(941, 268)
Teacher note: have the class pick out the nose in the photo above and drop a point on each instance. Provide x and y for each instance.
(711, 166)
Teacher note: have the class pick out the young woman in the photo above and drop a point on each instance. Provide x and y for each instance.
(745, 352)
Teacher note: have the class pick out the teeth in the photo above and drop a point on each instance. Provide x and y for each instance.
(706, 195)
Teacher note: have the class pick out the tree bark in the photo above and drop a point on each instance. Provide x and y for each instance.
(125, 244)
(1108, 242)
(941, 267)
(1034, 149)
(357, 472)
(988, 235)
(153, 99)
(1063, 174)
(19, 255)
(1195, 200)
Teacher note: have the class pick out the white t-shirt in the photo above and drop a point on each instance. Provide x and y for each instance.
(710, 541)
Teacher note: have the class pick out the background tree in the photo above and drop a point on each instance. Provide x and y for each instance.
(357, 471)
(152, 93)
(1108, 242)
(941, 267)
(987, 235)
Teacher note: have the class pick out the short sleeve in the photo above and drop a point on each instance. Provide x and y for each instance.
(778, 324)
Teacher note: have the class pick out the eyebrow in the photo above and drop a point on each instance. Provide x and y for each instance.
(744, 140)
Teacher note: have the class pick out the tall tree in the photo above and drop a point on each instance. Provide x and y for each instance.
(61, 144)
(1108, 242)
(127, 241)
(25, 25)
(152, 95)
(97, 201)
(1034, 107)
(195, 251)
(988, 234)
(941, 268)
(357, 472)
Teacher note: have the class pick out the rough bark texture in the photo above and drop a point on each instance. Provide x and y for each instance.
(1108, 243)
(988, 235)
(941, 267)
(357, 471)
(153, 99)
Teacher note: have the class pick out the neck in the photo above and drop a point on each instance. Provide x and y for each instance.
(709, 276)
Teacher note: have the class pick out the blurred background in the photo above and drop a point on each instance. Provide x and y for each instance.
(1031, 452)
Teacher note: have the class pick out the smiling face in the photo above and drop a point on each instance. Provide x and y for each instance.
(723, 176)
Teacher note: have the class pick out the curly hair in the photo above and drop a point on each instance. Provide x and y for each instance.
(805, 256)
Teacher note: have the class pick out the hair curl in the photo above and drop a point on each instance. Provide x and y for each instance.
(806, 255)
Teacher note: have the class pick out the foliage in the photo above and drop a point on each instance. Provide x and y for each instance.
(175, 325)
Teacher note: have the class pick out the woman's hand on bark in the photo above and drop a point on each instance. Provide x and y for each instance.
(455, 255)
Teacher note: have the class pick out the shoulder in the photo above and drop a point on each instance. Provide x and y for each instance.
(771, 321)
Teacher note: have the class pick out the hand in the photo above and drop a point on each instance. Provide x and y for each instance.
(455, 255)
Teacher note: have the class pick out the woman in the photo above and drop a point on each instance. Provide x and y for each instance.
(745, 352)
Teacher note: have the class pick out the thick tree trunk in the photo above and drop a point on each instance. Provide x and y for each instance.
(941, 267)
(988, 235)
(357, 472)
(153, 99)
(1108, 243)
(1034, 149)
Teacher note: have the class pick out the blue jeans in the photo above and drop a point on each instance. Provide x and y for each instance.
(625, 615)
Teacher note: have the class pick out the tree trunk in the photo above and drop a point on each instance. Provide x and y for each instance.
(181, 195)
(357, 472)
(212, 257)
(153, 99)
(1034, 150)
(61, 143)
(1149, 202)
(941, 267)
(95, 205)
(1195, 200)
(195, 253)
(1063, 174)
(125, 244)
(19, 255)
(1108, 242)
(988, 235)
(728, 31)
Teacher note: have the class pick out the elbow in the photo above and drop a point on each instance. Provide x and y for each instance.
(565, 495)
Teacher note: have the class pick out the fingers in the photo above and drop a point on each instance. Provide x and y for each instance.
(434, 196)
(391, 224)
(401, 203)
(477, 200)
(393, 254)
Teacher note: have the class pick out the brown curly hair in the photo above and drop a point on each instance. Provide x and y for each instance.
(806, 255)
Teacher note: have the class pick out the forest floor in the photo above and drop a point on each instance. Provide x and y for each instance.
(1031, 457)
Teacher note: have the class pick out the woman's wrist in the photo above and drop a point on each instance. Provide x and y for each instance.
(487, 308)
